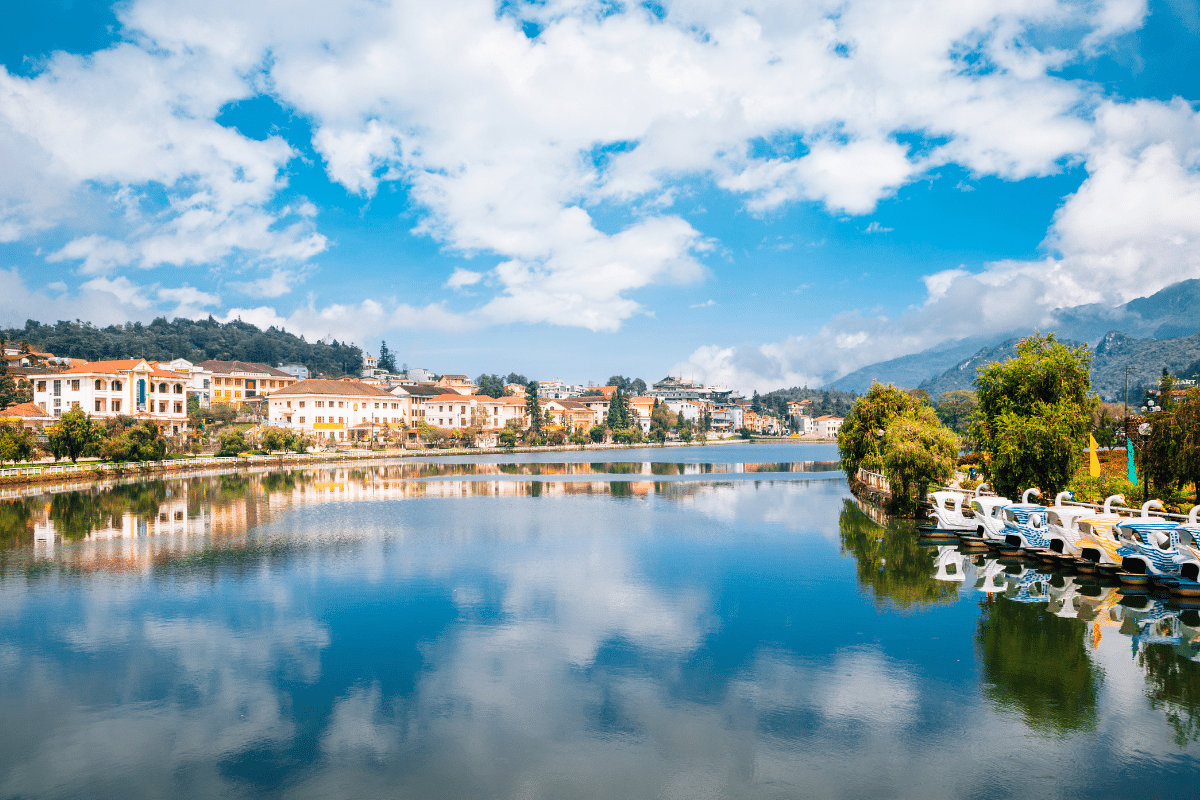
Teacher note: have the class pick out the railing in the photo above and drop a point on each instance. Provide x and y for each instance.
(875, 480)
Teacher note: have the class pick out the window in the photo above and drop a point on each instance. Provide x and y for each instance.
(162, 407)
(74, 386)
(115, 386)
(320, 404)
(302, 404)
(99, 386)
(162, 387)
(289, 403)
(151, 389)
(116, 405)
(74, 404)
(41, 386)
(179, 408)
(339, 420)
(98, 402)
(237, 381)
(340, 405)
(237, 393)
(320, 420)
(441, 409)
(395, 406)
(57, 390)
(377, 405)
(462, 409)
(179, 388)
(206, 382)
(302, 420)
(289, 419)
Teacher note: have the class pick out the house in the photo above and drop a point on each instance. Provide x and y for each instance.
(298, 371)
(132, 387)
(573, 416)
(199, 379)
(639, 411)
(26, 415)
(238, 382)
(727, 417)
(691, 410)
(329, 409)
(460, 384)
(827, 426)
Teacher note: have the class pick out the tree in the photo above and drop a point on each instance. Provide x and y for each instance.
(387, 359)
(1034, 414)
(508, 438)
(618, 411)
(860, 439)
(629, 386)
(232, 443)
(533, 409)
(73, 436)
(143, 442)
(16, 442)
(597, 433)
(492, 386)
(275, 439)
(662, 420)
(11, 393)
(917, 450)
(955, 409)
(513, 377)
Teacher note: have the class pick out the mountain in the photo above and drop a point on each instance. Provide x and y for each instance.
(1145, 358)
(1167, 315)
(911, 370)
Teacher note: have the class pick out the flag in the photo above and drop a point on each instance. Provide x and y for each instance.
(1094, 470)
(1132, 467)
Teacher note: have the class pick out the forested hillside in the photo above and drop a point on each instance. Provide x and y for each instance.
(190, 339)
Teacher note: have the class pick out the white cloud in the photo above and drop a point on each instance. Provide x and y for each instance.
(462, 278)
(875, 227)
(508, 144)
(277, 284)
(705, 304)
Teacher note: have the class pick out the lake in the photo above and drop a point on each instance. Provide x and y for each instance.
(704, 622)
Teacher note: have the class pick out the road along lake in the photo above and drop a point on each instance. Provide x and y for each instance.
(705, 622)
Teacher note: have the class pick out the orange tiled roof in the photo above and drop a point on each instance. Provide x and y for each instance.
(23, 410)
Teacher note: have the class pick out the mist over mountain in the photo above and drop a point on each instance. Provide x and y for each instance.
(1147, 333)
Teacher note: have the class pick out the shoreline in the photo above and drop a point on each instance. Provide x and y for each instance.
(19, 477)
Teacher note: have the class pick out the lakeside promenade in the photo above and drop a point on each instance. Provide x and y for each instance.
(20, 481)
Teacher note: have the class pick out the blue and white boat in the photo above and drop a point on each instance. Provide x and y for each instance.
(1025, 525)
(1187, 583)
(989, 519)
(1148, 546)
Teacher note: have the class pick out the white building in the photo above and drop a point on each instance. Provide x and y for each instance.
(455, 411)
(131, 387)
(298, 371)
(329, 409)
(199, 383)
(727, 417)
(827, 426)
(691, 411)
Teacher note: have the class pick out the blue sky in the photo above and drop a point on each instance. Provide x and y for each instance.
(761, 195)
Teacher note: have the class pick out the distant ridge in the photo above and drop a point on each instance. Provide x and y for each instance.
(1169, 315)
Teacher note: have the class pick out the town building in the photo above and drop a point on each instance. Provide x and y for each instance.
(727, 417)
(678, 389)
(238, 382)
(453, 411)
(131, 387)
(328, 409)
(571, 415)
(26, 415)
(827, 426)
(460, 384)
(297, 371)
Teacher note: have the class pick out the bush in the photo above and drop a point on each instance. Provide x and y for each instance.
(1093, 490)
(508, 439)
(16, 443)
(556, 437)
(143, 442)
(597, 433)
(232, 443)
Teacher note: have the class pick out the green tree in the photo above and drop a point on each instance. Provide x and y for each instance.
(860, 440)
(662, 419)
(232, 443)
(491, 386)
(11, 393)
(508, 438)
(956, 408)
(73, 436)
(533, 409)
(1034, 414)
(917, 450)
(597, 433)
(143, 442)
(276, 439)
(618, 411)
(514, 377)
(16, 442)
(387, 359)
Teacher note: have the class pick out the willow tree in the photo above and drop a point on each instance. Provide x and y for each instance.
(860, 440)
(917, 450)
(1033, 417)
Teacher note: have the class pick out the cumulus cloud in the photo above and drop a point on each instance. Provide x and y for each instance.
(507, 144)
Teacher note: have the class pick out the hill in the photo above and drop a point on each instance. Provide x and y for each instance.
(191, 339)
(1146, 359)
(1166, 315)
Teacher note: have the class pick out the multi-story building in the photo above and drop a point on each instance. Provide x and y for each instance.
(238, 382)
(690, 409)
(573, 416)
(459, 384)
(557, 390)
(331, 409)
(297, 371)
(132, 387)
(827, 426)
(639, 411)
(455, 411)
(727, 417)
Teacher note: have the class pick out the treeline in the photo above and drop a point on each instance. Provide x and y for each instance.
(195, 340)
(824, 401)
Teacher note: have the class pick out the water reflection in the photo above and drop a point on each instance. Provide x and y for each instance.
(350, 632)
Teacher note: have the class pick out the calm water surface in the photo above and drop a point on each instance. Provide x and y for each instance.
(728, 623)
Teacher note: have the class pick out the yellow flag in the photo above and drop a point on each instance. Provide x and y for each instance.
(1094, 470)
